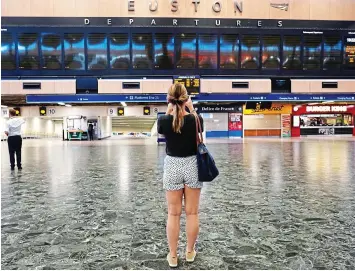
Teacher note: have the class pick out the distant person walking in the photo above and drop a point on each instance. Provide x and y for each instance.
(91, 132)
(14, 140)
(180, 170)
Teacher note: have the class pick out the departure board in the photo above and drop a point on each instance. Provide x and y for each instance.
(349, 51)
(192, 83)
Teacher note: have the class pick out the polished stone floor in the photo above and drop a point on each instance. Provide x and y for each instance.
(278, 204)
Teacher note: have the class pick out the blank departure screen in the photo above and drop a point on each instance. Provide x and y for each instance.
(250, 55)
(186, 51)
(119, 51)
(312, 52)
(74, 52)
(142, 46)
(271, 52)
(51, 46)
(292, 53)
(28, 51)
(229, 51)
(8, 56)
(332, 53)
(97, 51)
(207, 51)
(164, 51)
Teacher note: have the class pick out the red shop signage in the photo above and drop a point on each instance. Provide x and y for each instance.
(326, 109)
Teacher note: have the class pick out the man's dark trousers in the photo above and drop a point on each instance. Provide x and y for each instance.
(15, 145)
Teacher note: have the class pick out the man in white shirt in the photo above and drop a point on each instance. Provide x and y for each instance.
(13, 131)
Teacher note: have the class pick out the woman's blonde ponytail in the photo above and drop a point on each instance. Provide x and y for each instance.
(178, 96)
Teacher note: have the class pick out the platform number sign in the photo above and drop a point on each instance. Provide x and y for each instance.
(111, 111)
(156, 110)
(146, 111)
(18, 111)
(5, 112)
(51, 111)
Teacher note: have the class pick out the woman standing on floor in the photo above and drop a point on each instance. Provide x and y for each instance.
(180, 170)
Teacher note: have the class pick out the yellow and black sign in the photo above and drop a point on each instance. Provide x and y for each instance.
(146, 111)
(43, 111)
(18, 111)
(120, 111)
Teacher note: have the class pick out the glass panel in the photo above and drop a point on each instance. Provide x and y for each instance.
(229, 51)
(97, 51)
(51, 47)
(164, 51)
(349, 53)
(119, 52)
(142, 51)
(8, 53)
(28, 51)
(250, 53)
(207, 56)
(74, 51)
(312, 52)
(186, 51)
(271, 52)
(292, 53)
(332, 53)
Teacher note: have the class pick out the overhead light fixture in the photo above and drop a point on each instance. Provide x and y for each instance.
(60, 103)
(195, 102)
(123, 104)
(4, 106)
(68, 105)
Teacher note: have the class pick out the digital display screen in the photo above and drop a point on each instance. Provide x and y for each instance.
(8, 55)
(207, 52)
(349, 51)
(164, 51)
(229, 51)
(28, 51)
(312, 51)
(97, 51)
(332, 53)
(142, 46)
(250, 56)
(280, 85)
(51, 46)
(186, 51)
(271, 52)
(292, 53)
(119, 52)
(192, 83)
(74, 52)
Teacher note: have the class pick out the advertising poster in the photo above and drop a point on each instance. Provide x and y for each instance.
(235, 122)
(285, 125)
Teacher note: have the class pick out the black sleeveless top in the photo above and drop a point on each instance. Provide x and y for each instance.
(179, 145)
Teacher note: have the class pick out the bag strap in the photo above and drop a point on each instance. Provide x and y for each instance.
(199, 135)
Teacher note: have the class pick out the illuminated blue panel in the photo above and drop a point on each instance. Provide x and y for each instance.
(119, 52)
(8, 56)
(271, 52)
(164, 51)
(74, 51)
(207, 47)
(142, 58)
(250, 55)
(312, 52)
(28, 51)
(332, 53)
(97, 51)
(229, 51)
(51, 47)
(292, 53)
(186, 51)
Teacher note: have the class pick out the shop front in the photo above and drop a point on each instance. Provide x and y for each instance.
(267, 120)
(222, 120)
(323, 120)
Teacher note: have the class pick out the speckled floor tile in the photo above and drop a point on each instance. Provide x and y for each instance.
(277, 204)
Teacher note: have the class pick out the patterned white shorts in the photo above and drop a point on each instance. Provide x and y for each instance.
(180, 171)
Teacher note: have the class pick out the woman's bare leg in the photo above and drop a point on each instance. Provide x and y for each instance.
(174, 199)
(192, 202)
